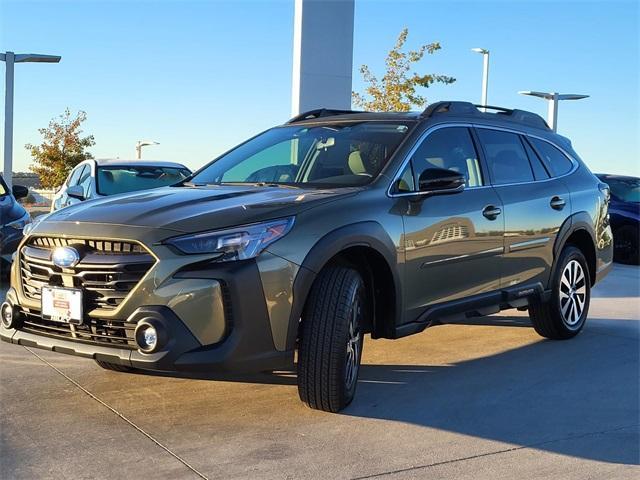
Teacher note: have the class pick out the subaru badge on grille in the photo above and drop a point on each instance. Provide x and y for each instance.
(65, 257)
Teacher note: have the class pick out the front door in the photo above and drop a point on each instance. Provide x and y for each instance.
(453, 242)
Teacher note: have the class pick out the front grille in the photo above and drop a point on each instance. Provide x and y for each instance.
(107, 272)
(112, 333)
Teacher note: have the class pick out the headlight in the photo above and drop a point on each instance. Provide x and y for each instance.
(20, 223)
(238, 243)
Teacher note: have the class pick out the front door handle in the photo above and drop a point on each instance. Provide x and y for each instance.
(491, 212)
(557, 203)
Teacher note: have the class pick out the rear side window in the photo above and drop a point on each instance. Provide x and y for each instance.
(556, 161)
(506, 158)
(536, 164)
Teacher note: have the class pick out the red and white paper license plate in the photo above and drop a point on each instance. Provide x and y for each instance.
(62, 304)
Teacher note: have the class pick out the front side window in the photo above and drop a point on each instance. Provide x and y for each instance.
(75, 175)
(85, 181)
(506, 158)
(556, 161)
(131, 178)
(347, 154)
(450, 148)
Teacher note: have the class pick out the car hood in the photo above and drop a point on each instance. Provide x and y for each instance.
(628, 209)
(193, 209)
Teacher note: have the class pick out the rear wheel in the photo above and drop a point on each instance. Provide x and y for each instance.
(563, 315)
(626, 248)
(114, 367)
(331, 340)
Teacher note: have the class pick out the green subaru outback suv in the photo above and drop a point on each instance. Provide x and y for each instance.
(312, 234)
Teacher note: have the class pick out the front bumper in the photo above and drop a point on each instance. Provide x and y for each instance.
(246, 344)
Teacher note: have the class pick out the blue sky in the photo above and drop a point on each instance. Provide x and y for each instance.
(199, 77)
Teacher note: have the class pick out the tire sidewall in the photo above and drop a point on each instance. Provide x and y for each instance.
(569, 254)
(357, 293)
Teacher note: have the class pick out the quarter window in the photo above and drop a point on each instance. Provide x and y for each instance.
(506, 157)
(538, 168)
(556, 161)
(451, 148)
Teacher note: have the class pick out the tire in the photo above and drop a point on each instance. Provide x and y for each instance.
(626, 245)
(564, 314)
(114, 367)
(331, 338)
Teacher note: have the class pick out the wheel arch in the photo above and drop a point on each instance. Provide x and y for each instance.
(367, 247)
(577, 231)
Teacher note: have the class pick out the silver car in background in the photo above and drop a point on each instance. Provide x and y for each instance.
(98, 177)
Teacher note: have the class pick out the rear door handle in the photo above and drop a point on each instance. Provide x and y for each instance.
(491, 212)
(557, 203)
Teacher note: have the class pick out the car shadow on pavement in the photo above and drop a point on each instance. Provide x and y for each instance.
(578, 398)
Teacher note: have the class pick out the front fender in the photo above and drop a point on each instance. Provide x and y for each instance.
(367, 234)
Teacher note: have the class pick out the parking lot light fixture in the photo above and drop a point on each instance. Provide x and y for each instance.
(553, 98)
(10, 58)
(143, 143)
(485, 74)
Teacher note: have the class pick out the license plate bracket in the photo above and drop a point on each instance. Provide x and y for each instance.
(63, 305)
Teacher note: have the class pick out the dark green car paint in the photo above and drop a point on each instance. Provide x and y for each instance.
(424, 253)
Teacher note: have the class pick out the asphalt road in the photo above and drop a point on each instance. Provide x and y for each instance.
(487, 399)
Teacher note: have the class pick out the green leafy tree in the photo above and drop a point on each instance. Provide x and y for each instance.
(63, 147)
(396, 91)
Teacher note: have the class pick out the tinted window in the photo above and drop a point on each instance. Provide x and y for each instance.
(451, 148)
(626, 189)
(73, 178)
(131, 178)
(538, 169)
(506, 157)
(556, 161)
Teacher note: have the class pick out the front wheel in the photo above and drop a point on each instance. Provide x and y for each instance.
(331, 339)
(626, 246)
(563, 315)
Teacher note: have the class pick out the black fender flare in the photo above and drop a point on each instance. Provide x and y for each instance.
(575, 222)
(367, 234)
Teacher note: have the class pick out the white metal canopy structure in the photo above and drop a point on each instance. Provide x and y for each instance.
(553, 98)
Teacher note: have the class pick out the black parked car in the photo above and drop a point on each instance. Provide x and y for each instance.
(624, 211)
(14, 218)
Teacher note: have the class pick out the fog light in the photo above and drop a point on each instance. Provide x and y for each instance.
(10, 315)
(148, 336)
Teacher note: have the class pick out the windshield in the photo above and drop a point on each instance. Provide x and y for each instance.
(123, 179)
(334, 154)
(625, 189)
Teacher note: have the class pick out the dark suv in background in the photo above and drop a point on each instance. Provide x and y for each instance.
(314, 233)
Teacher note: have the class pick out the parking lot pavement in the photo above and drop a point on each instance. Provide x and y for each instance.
(485, 399)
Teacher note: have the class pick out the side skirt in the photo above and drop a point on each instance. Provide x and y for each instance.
(475, 306)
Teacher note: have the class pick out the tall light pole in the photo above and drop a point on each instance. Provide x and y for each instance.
(143, 143)
(10, 58)
(485, 74)
(553, 98)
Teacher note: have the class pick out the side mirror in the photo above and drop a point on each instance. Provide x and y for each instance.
(19, 191)
(76, 191)
(441, 180)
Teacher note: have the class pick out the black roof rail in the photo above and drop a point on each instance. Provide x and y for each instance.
(468, 108)
(520, 116)
(451, 107)
(320, 112)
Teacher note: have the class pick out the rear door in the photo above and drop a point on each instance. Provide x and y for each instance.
(452, 242)
(536, 204)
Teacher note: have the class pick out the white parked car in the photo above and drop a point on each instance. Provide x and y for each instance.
(96, 178)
